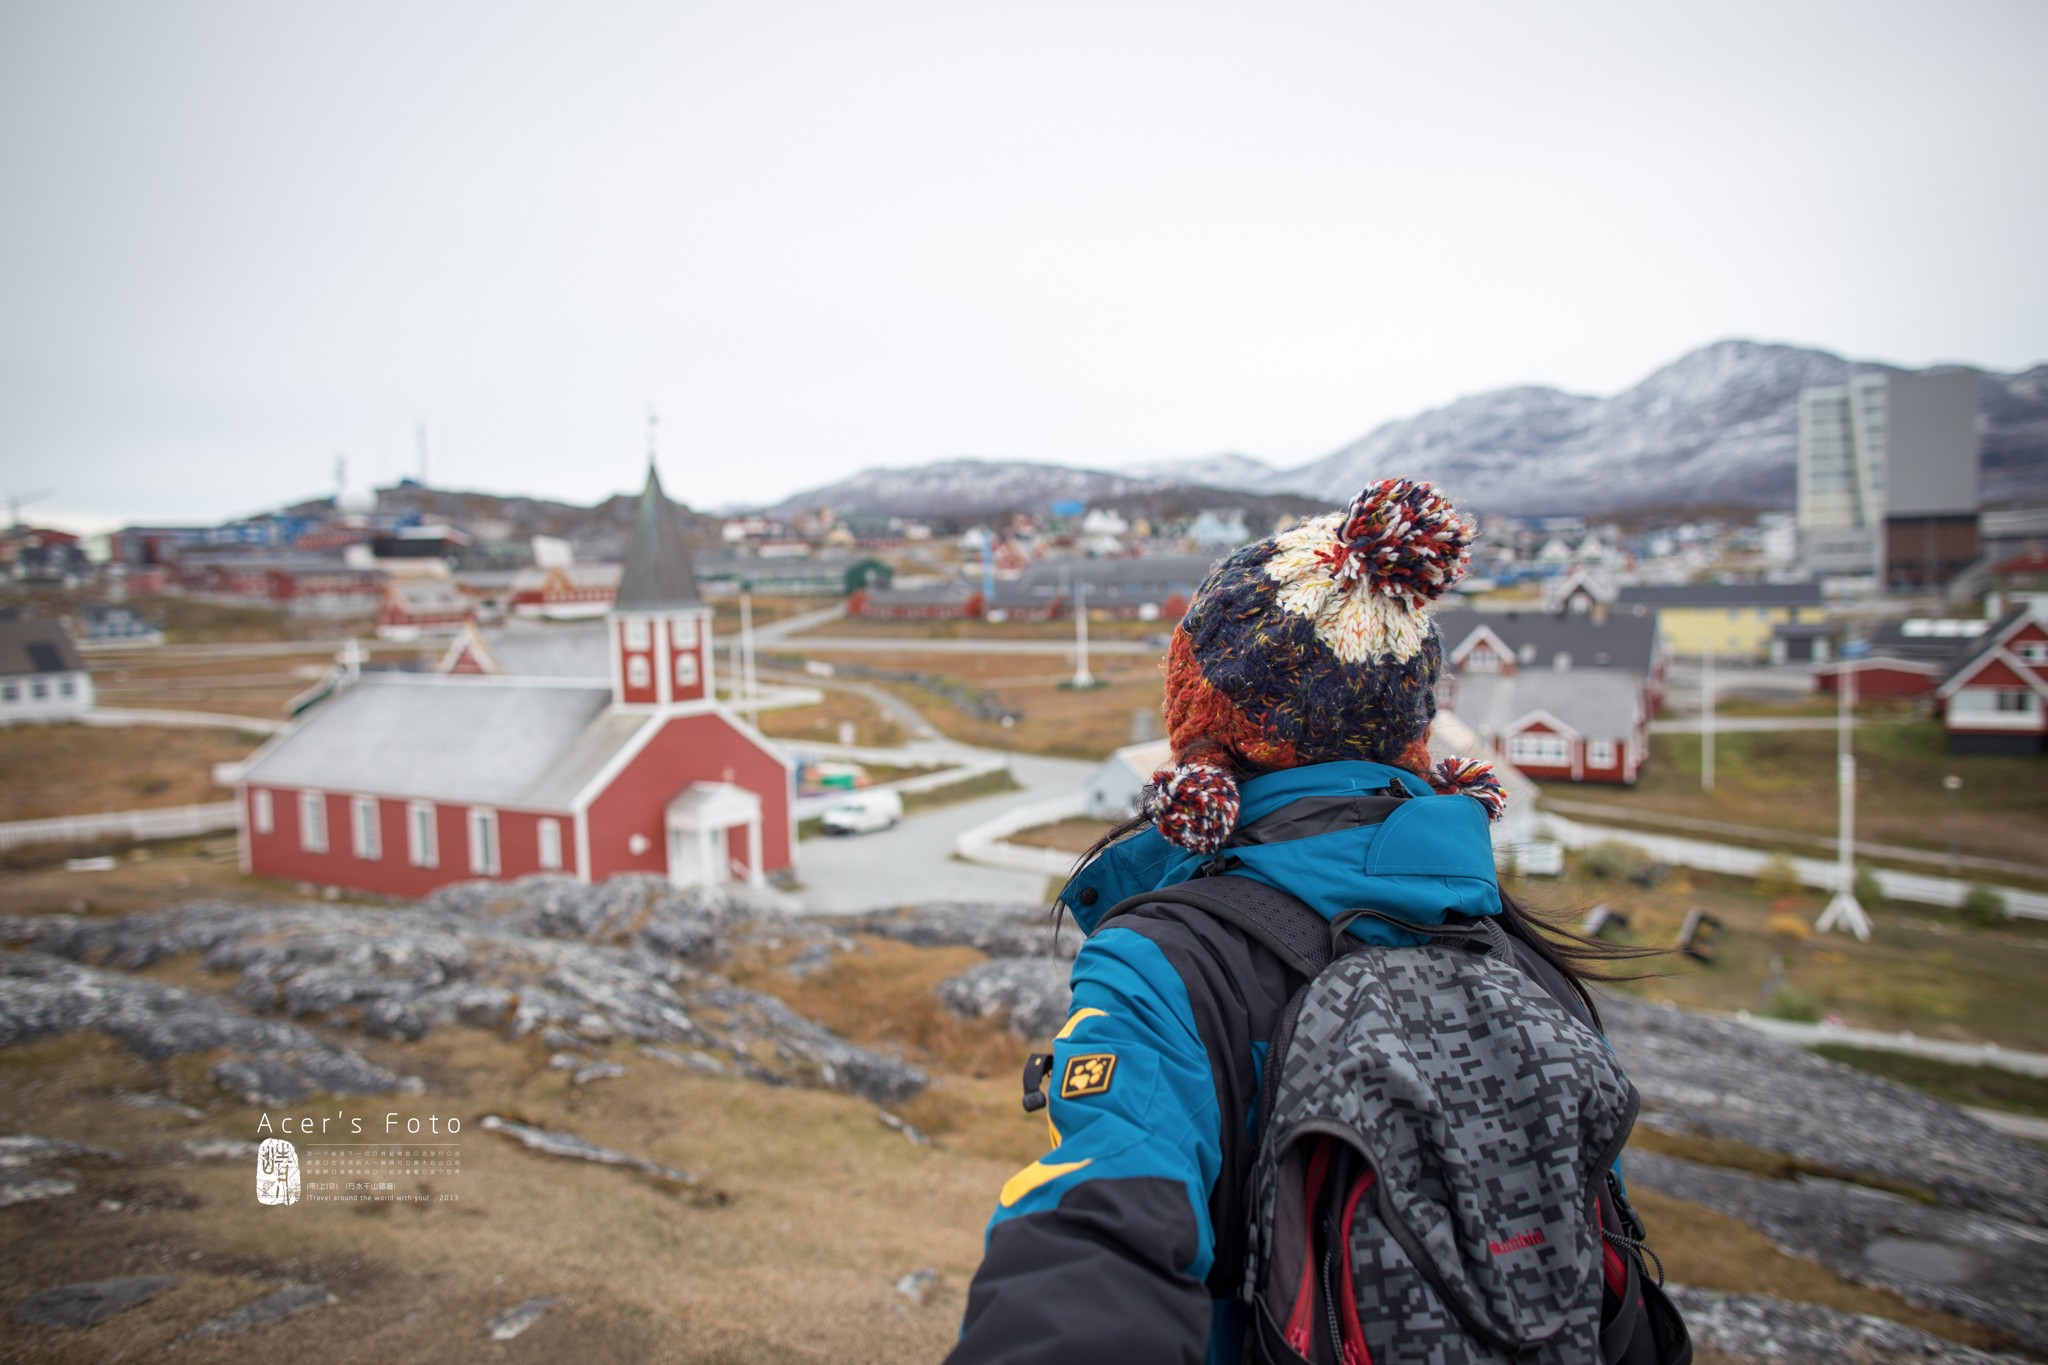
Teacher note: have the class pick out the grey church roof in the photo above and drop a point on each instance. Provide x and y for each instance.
(658, 574)
(472, 740)
(30, 644)
(1623, 640)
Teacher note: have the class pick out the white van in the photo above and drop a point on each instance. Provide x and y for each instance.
(862, 813)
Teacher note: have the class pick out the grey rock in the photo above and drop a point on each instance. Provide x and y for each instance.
(546, 956)
(918, 1284)
(693, 1060)
(79, 1306)
(161, 1103)
(998, 930)
(27, 1149)
(874, 1076)
(566, 1061)
(1715, 1077)
(554, 1142)
(520, 1316)
(275, 1306)
(813, 959)
(597, 1071)
(26, 1189)
(1754, 1327)
(1031, 992)
(896, 1125)
(1976, 1266)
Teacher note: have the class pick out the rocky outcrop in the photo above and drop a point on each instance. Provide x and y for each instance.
(1031, 994)
(1713, 1077)
(1754, 1327)
(626, 960)
(1986, 1269)
(998, 930)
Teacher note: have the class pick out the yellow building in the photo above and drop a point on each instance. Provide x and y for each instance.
(1732, 620)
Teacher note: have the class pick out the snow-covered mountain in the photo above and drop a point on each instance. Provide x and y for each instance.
(1717, 425)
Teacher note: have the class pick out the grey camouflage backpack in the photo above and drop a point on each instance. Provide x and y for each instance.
(1434, 1182)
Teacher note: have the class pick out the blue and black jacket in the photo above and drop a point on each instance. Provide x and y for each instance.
(1124, 1243)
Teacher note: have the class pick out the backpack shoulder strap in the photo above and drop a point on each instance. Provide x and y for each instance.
(1296, 934)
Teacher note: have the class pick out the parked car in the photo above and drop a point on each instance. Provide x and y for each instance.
(862, 813)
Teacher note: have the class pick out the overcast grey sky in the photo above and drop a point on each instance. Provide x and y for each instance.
(239, 239)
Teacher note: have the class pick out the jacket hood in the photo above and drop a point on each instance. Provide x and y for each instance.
(1327, 844)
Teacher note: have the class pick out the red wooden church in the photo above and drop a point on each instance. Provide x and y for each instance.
(400, 783)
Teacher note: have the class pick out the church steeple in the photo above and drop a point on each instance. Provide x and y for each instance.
(660, 626)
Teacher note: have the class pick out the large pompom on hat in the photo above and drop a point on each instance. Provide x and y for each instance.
(1311, 646)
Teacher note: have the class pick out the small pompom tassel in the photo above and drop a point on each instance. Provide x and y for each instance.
(1193, 805)
(1474, 778)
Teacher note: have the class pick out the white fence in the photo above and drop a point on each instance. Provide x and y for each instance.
(122, 716)
(987, 842)
(172, 822)
(1821, 874)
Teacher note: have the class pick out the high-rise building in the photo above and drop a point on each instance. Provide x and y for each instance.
(1888, 477)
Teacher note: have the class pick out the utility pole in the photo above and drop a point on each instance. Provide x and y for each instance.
(1843, 911)
(1082, 677)
(746, 678)
(1707, 720)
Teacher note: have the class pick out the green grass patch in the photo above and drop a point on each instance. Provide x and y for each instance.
(1987, 1087)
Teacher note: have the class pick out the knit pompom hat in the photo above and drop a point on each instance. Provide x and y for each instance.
(1311, 646)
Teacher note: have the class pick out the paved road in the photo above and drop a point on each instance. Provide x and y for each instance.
(914, 861)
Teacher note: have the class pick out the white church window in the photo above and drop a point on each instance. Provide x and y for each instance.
(636, 632)
(421, 844)
(638, 675)
(549, 835)
(368, 839)
(312, 822)
(259, 811)
(686, 669)
(1600, 753)
(483, 842)
(682, 632)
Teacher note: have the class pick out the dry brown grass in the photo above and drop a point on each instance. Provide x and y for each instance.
(1068, 836)
(1053, 718)
(48, 770)
(821, 723)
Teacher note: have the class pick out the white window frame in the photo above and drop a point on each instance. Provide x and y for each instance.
(686, 669)
(1540, 749)
(422, 834)
(638, 676)
(682, 632)
(368, 839)
(2033, 651)
(10, 692)
(261, 818)
(313, 821)
(1599, 753)
(637, 634)
(483, 841)
(547, 833)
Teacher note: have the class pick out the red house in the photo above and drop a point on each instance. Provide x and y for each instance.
(1565, 724)
(1995, 699)
(400, 783)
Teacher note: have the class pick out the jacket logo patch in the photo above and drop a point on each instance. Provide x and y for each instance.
(1088, 1074)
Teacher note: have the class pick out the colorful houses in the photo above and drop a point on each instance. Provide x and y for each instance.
(399, 783)
(1730, 620)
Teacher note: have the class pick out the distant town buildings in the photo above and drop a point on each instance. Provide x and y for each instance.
(42, 677)
(1888, 479)
(1733, 621)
